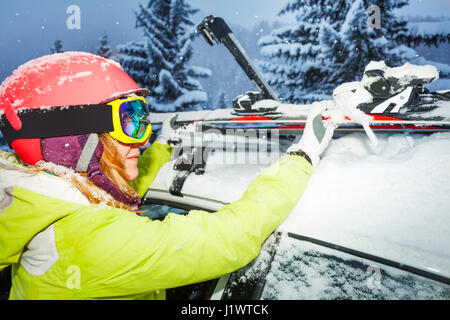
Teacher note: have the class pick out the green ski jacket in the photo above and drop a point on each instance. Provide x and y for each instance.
(62, 247)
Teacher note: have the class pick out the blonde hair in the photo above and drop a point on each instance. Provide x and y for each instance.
(112, 164)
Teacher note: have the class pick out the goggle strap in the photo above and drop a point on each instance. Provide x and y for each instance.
(87, 153)
(59, 122)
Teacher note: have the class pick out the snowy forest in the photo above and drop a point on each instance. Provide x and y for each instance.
(323, 44)
(326, 43)
(330, 43)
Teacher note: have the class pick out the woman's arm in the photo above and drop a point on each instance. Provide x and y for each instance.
(151, 160)
(130, 254)
(154, 157)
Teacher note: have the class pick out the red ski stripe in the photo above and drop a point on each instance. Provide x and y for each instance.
(291, 127)
(251, 118)
(376, 117)
(328, 118)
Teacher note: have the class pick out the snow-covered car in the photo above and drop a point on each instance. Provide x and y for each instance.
(372, 223)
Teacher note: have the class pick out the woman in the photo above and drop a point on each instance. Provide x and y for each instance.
(68, 222)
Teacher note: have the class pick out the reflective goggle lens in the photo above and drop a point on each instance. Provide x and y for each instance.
(133, 118)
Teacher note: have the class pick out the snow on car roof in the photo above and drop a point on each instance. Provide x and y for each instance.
(393, 202)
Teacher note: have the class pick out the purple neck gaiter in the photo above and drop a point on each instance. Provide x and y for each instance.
(66, 151)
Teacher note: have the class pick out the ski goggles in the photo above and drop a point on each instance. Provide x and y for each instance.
(130, 120)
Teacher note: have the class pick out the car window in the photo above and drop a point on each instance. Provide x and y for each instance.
(304, 270)
(248, 282)
(160, 211)
(5, 283)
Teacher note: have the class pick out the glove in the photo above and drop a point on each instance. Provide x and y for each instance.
(168, 130)
(316, 135)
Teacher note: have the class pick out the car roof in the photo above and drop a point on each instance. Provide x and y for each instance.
(390, 204)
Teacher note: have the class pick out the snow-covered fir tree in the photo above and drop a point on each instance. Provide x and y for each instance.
(134, 59)
(104, 48)
(57, 47)
(221, 100)
(332, 41)
(160, 62)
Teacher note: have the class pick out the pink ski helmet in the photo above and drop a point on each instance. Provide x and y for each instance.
(62, 79)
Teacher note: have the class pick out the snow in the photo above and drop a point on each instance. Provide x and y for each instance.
(265, 103)
(302, 270)
(404, 73)
(292, 49)
(348, 96)
(45, 90)
(392, 202)
(41, 182)
(69, 175)
(78, 75)
(199, 71)
(349, 21)
(157, 118)
(443, 110)
(430, 27)
(41, 64)
(17, 103)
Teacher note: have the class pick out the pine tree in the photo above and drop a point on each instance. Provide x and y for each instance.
(160, 61)
(331, 42)
(134, 59)
(57, 47)
(221, 100)
(104, 49)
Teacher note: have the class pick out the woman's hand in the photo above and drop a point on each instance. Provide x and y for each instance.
(316, 135)
(168, 129)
